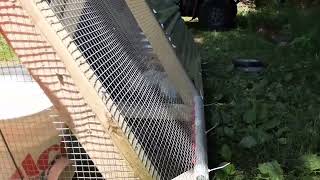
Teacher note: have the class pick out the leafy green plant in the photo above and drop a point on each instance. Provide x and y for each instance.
(228, 173)
(270, 171)
(226, 152)
(248, 142)
(268, 124)
(6, 54)
(311, 163)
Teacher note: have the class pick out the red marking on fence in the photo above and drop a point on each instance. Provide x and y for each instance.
(43, 160)
(33, 169)
(30, 166)
(16, 176)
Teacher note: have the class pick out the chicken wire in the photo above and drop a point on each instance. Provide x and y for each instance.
(23, 117)
(119, 62)
(84, 147)
(29, 120)
(10, 66)
(132, 79)
(33, 137)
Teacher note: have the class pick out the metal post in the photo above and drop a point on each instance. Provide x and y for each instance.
(201, 167)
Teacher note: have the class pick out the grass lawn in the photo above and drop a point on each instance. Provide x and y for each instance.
(6, 53)
(267, 124)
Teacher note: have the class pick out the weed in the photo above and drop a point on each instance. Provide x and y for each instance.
(6, 53)
(268, 123)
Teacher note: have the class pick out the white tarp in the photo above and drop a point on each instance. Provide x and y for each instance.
(19, 96)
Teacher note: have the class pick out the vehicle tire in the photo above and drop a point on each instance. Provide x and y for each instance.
(218, 14)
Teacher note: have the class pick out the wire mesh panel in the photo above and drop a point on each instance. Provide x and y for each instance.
(132, 83)
(87, 151)
(119, 112)
(29, 144)
(10, 66)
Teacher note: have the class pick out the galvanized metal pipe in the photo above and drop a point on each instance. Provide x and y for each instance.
(201, 167)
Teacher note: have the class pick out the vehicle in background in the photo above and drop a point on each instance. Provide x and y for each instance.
(212, 14)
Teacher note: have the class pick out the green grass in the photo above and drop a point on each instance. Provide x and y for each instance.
(268, 124)
(6, 53)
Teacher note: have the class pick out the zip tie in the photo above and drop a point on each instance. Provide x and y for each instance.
(209, 130)
(211, 104)
(216, 104)
(218, 168)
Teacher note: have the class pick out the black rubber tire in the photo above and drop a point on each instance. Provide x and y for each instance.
(218, 14)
